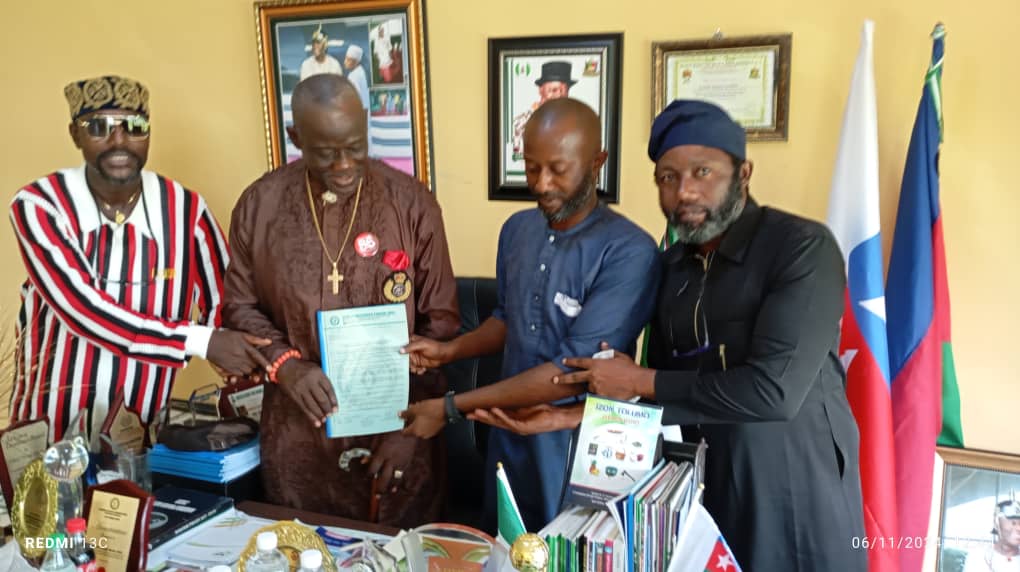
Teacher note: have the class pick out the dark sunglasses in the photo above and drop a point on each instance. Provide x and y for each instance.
(101, 126)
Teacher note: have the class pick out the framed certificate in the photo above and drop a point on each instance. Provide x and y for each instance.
(747, 76)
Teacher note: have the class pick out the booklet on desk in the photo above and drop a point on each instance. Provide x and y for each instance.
(616, 446)
(177, 510)
(211, 466)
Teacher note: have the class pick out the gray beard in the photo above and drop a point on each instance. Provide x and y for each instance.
(716, 220)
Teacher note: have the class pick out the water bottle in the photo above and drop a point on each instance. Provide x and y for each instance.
(311, 561)
(56, 559)
(267, 558)
(81, 554)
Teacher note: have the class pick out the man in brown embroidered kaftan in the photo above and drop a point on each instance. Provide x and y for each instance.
(337, 230)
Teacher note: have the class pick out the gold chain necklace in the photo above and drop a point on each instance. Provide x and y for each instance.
(120, 216)
(334, 276)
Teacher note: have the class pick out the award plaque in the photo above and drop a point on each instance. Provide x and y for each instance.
(123, 428)
(20, 444)
(292, 539)
(34, 510)
(118, 515)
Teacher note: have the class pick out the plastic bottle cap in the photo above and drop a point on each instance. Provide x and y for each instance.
(266, 541)
(76, 525)
(311, 559)
(57, 536)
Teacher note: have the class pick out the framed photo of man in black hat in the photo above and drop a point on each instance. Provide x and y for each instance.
(979, 512)
(526, 72)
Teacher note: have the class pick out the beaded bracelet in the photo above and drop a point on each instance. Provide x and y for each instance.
(276, 365)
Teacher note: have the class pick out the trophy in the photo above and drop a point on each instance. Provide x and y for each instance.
(123, 429)
(529, 553)
(34, 509)
(66, 461)
(120, 512)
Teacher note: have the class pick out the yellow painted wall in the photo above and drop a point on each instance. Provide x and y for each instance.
(199, 60)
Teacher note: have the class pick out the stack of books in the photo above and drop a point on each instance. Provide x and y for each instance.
(627, 511)
(635, 532)
(210, 466)
(583, 538)
(178, 510)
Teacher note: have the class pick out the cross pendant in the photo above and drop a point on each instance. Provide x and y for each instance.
(336, 278)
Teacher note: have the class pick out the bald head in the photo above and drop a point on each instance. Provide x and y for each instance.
(331, 130)
(562, 158)
(571, 116)
(322, 90)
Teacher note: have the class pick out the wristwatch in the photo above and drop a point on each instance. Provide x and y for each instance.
(452, 414)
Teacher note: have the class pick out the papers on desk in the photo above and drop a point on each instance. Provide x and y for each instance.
(222, 539)
(360, 349)
(211, 466)
(217, 541)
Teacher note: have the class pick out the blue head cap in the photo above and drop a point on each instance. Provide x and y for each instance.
(693, 122)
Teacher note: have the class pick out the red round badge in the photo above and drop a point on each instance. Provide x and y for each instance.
(366, 244)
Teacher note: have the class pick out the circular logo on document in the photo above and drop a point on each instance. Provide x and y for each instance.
(158, 519)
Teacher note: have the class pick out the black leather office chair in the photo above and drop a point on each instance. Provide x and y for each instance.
(466, 441)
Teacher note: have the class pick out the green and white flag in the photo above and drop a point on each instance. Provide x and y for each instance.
(511, 525)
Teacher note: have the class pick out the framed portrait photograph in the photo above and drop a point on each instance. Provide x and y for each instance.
(526, 72)
(747, 76)
(379, 45)
(979, 512)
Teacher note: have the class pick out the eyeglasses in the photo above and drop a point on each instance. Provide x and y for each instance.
(701, 336)
(102, 126)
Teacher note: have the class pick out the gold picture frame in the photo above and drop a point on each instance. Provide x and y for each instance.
(393, 76)
(34, 511)
(974, 483)
(292, 538)
(748, 76)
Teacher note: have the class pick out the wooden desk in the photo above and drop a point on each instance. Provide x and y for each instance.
(275, 512)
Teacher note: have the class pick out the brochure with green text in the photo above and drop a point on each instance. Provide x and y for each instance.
(616, 446)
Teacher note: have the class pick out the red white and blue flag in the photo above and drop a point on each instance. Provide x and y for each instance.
(855, 222)
(701, 548)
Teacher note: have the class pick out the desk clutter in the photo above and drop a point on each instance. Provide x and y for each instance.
(235, 538)
(72, 508)
(634, 505)
(91, 506)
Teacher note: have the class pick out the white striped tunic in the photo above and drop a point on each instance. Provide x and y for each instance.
(109, 307)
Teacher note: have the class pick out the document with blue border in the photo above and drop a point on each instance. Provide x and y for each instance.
(370, 377)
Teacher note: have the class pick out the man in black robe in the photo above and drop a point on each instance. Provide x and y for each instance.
(743, 351)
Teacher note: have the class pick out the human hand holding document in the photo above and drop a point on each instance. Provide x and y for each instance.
(360, 356)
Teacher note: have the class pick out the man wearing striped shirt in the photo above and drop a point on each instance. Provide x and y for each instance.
(119, 261)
